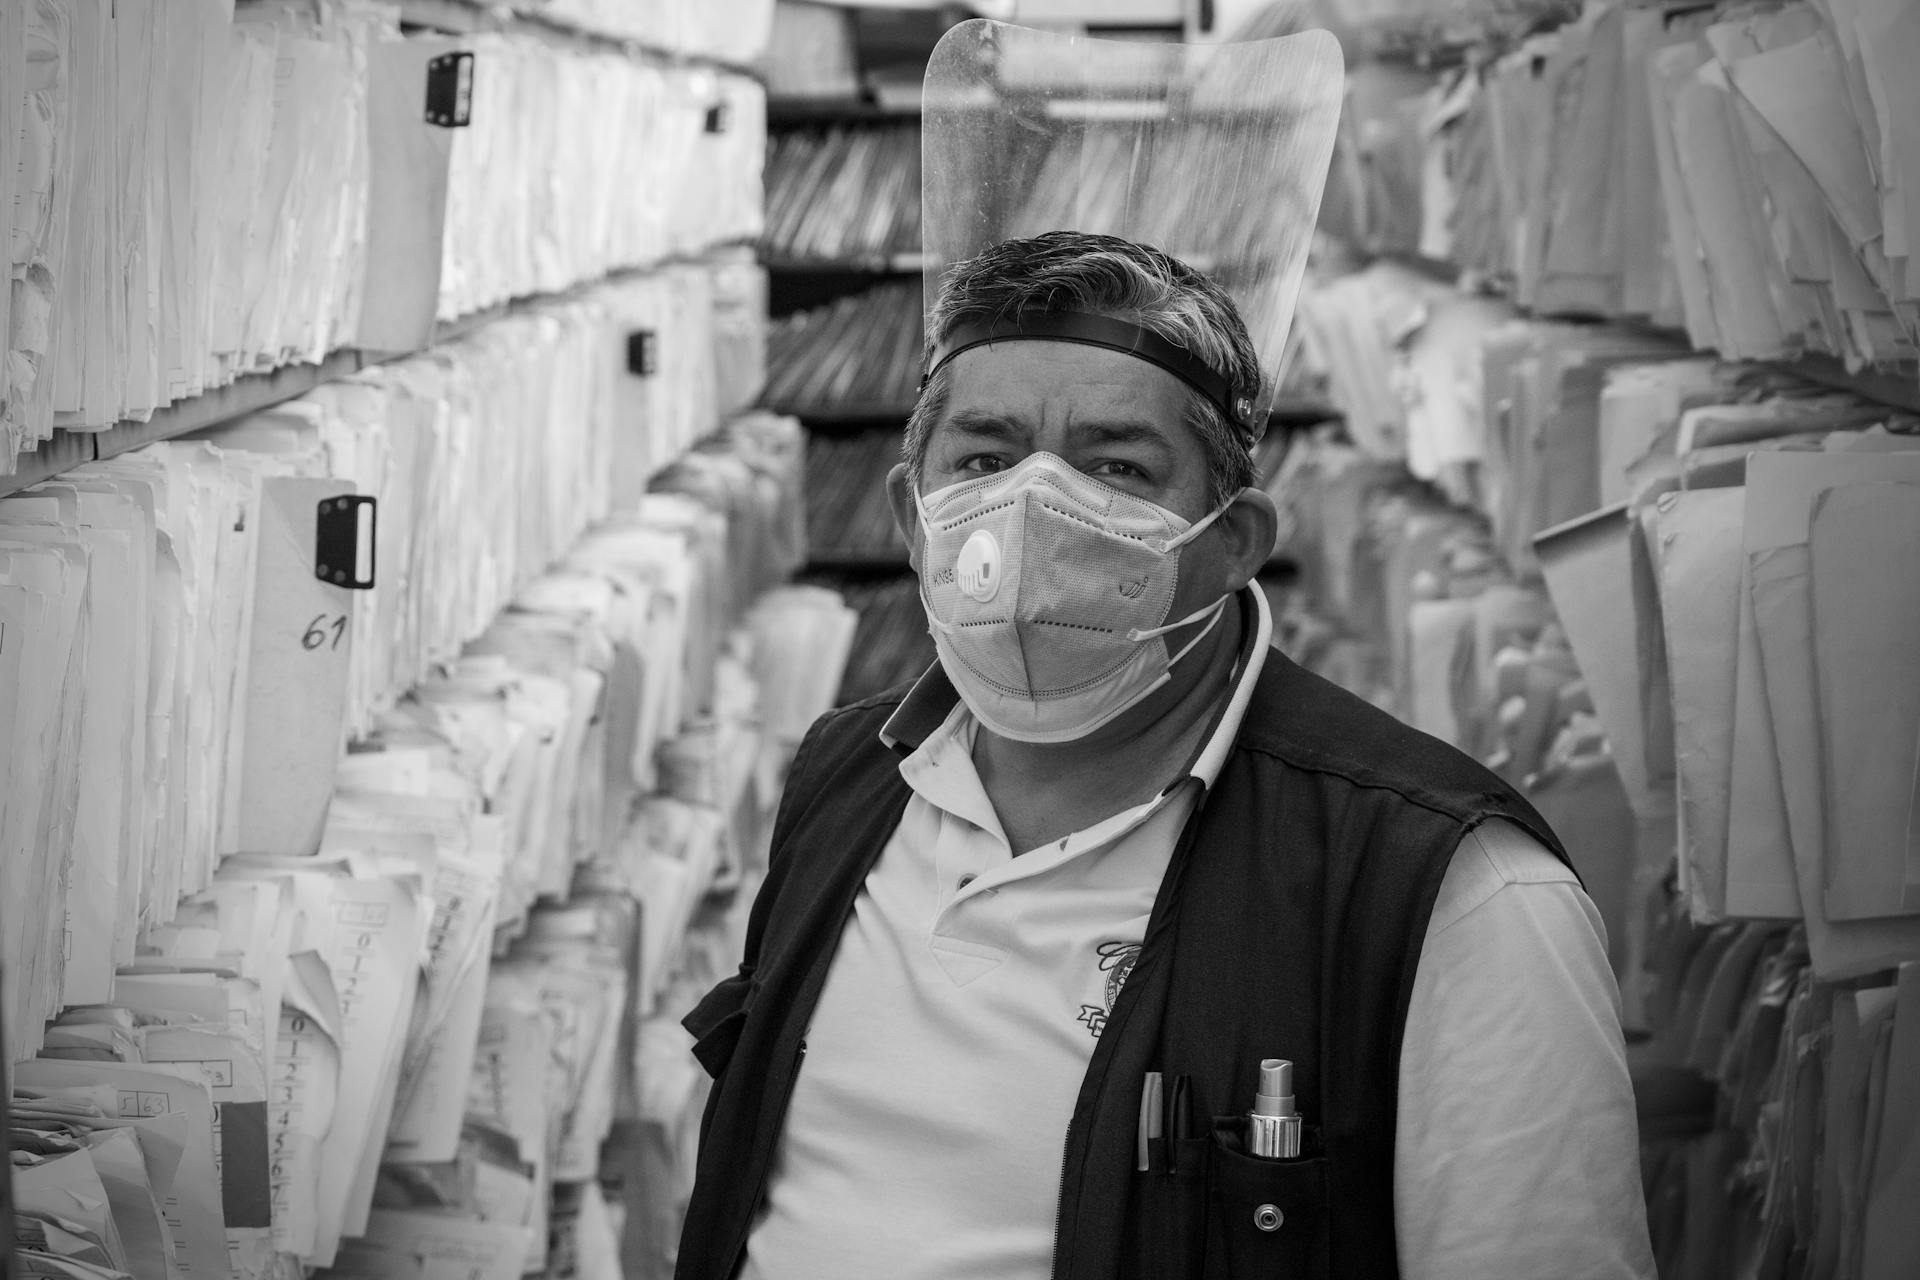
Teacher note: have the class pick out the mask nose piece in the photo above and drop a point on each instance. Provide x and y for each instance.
(978, 570)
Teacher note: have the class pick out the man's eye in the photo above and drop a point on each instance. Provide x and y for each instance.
(983, 463)
(1114, 469)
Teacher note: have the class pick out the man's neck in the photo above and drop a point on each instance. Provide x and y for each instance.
(1045, 791)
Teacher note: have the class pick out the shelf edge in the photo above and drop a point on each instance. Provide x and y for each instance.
(256, 392)
(462, 17)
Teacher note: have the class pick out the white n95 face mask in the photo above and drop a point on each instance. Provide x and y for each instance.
(1047, 593)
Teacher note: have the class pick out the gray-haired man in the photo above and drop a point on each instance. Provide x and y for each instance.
(1113, 837)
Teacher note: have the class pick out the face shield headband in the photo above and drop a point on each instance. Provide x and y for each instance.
(1237, 403)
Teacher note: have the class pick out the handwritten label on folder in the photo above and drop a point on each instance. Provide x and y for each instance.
(297, 675)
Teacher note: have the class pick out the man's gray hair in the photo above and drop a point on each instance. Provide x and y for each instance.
(1106, 276)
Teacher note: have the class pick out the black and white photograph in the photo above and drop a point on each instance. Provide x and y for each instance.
(935, 640)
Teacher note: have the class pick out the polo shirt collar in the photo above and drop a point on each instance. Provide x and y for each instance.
(931, 700)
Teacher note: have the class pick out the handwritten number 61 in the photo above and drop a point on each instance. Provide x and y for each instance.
(316, 633)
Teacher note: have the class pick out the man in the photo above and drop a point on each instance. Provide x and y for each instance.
(1111, 834)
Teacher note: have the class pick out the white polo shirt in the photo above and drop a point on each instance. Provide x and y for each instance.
(924, 1138)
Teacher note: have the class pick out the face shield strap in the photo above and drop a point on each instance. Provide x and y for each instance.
(1114, 335)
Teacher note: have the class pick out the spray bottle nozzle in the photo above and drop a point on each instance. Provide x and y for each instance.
(1273, 1126)
(1275, 1097)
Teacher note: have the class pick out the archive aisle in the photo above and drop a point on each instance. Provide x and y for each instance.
(1619, 309)
(396, 669)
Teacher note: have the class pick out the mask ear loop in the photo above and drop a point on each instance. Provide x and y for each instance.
(1217, 609)
(1194, 530)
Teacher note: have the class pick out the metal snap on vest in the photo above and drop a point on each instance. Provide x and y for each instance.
(978, 569)
(1268, 1217)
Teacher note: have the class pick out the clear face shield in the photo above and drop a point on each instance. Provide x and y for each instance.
(1215, 154)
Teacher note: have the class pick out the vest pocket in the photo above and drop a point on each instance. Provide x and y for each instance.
(1167, 1221)
(1221, 1214)
(1265, 1218)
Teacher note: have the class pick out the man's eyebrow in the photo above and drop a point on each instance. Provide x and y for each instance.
(1095, 431)
(978, 422)
(1121, 431)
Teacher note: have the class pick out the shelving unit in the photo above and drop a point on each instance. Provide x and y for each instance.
(856, 562)
(798, 284)
(1735, 969)
(895, 264)
(248, 395)
(506, 452)
(1897, 387)
(257, 392)
(787, 113)
(470, 17)
(842, 419)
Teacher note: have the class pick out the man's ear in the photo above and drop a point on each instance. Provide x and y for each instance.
(906, 515)
(1248, 528)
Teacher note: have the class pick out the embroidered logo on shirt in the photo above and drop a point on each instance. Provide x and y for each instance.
(1116, 961)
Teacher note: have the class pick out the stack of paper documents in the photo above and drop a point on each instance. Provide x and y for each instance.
(848, 515)
(1353, 327)
(663, 1131)
(176, 683)
(198, 192)
(1656, 711)
(812, 52)
(415, 1040)
(1541, 384)
(180, 682)
(546, 415)
(173, 659)
(1373, 201)
(850, 193)
(1823, 1075)
(188, 189)
(1748, 175)
(729, 30)
(753, 469)
(577, 164)
(739, 325)
(856, 357)
(1323, 491)
(1402, 355)
(1759, 682)
(891, 645)
(548, 1027)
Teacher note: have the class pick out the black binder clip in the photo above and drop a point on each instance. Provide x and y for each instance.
(643, 353)
(344, 529)
(450, 90)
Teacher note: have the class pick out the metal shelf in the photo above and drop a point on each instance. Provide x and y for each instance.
(253, 393)
(879, 264)
(856, 560)
(466, 17)
(246, 395)
(799, 112)
(67, 450)
(1897, 387)
(1301, 413)
(846, 416)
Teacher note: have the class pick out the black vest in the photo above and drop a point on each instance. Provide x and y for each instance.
(1289, 925)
